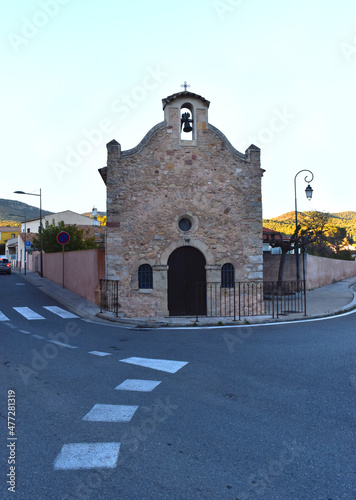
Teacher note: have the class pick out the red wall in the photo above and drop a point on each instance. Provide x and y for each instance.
(82, 271)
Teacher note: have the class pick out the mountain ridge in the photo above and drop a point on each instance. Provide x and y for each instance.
(20, 209)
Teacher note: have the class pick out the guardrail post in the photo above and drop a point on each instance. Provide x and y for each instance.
(116, 298)
(196, 302)
(101, 295)
(277, 294)
(239, 300)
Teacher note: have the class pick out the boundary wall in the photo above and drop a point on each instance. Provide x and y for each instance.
(83, 270)
(319, 271)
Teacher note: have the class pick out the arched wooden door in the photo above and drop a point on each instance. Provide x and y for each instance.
(186, 267)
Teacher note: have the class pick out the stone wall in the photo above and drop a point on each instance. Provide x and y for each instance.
(151, 187)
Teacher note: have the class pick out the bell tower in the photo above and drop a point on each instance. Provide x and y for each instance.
(186, 114)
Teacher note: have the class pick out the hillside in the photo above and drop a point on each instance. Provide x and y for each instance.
(19, 209)
(286, 223)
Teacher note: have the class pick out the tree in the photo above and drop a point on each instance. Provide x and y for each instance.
(276, 240)
(332, 241)
(300, 239)
(77, 240)
(339, 242)
(318, 224)
(317, 235)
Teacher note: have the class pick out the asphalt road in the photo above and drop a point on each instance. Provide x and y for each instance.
(254, 412)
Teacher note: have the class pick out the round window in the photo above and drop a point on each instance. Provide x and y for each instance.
(185, 224)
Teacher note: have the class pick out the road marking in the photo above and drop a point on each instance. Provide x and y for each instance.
(61, 344)
(26, 332)
(27, 313)
(60, 312)
(87, 456)
(257, 325)
(38, 336)
(20, 284)
(10, 325)
(138, 385)
(3, 317)
(99, 353)
(164, 365)
(110, 413)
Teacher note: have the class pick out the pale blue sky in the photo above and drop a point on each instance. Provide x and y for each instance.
(76, 74)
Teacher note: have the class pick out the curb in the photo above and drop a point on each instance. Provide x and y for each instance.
(150, 324)
(103, 318)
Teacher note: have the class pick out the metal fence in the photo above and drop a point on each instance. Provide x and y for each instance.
(235, 300)
(253, 298)
(109, 296)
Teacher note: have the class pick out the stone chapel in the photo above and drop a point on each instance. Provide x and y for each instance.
(183, 207)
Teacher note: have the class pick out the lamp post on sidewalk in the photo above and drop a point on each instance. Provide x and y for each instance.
(41, 245)
(25, 257)
(309, 194)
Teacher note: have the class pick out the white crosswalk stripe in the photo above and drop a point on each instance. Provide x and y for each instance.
(78, 456)
(60, 312)
(110, 413)
(138, 385)
(28, 313)
(87, 456)
(3, 317)
(165, 365)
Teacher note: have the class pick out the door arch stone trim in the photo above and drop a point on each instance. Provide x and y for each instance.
(193, 242)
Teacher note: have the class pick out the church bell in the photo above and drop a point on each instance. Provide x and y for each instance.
(186, 122)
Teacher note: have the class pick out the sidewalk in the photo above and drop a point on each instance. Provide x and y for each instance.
(73, 302)
(321, 302)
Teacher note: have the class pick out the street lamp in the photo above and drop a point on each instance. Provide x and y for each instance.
(25, 258)
(309, 194)
(41, 246)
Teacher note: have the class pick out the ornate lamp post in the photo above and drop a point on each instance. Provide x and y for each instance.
(41, 245)
(309, 194)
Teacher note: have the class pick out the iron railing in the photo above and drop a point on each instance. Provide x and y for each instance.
(253, 298)
(109, 296)
(237, 300)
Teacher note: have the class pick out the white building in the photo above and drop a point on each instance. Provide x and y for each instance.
(68, 217)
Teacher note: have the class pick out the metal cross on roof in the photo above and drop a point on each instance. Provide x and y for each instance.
(185, 85)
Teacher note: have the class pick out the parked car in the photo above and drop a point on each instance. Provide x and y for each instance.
(5, 266)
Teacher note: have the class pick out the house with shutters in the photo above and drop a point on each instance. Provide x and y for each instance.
(184, 209)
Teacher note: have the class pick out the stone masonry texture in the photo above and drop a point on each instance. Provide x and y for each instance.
(152, 186)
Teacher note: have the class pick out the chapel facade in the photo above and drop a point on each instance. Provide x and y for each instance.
(183, 208)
